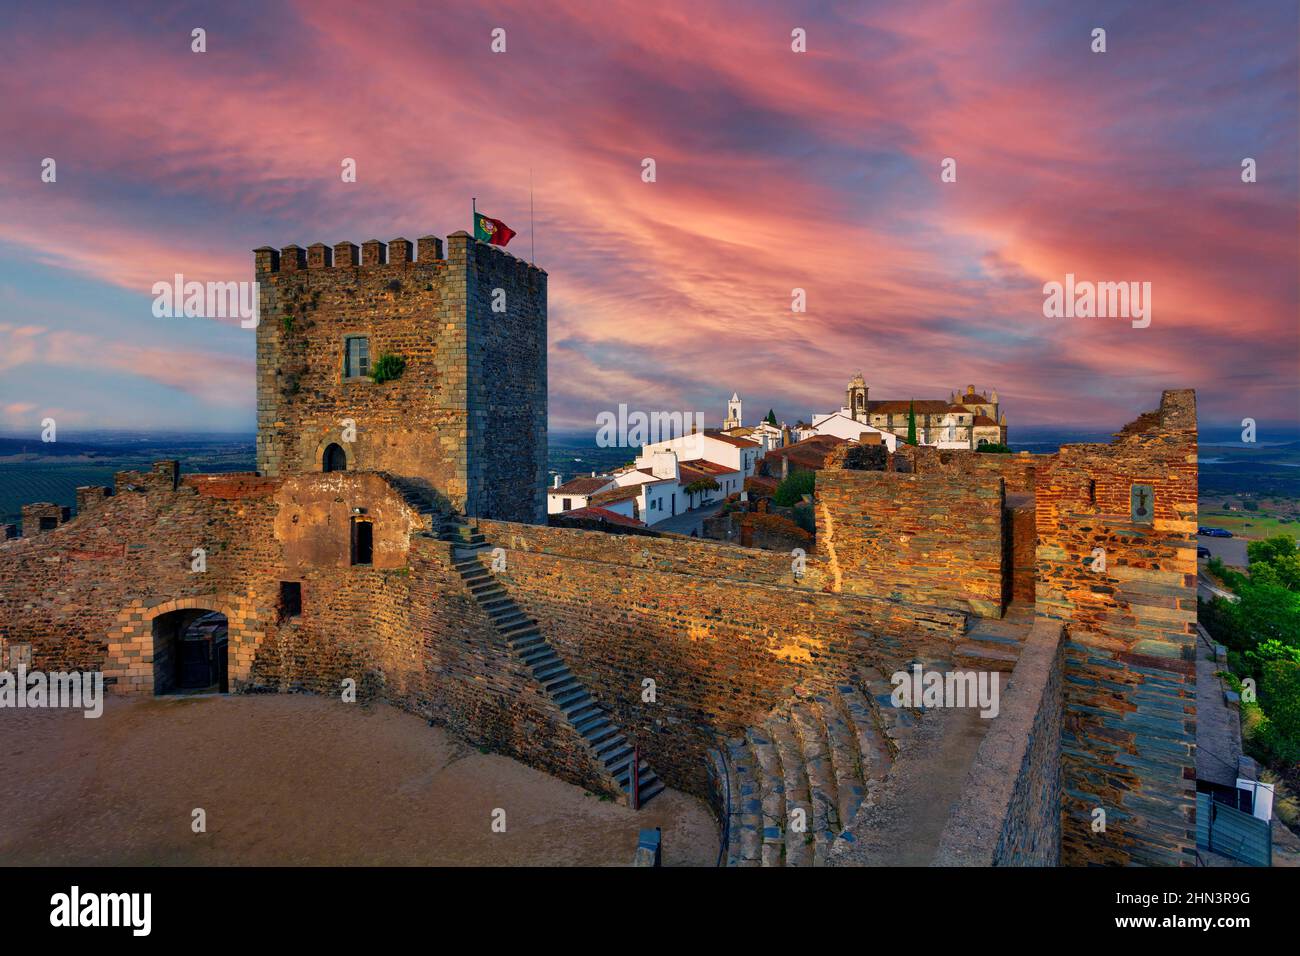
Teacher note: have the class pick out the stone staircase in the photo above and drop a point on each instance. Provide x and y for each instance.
(420, 498)
(825, 752)
(610, 749)
(994, 644)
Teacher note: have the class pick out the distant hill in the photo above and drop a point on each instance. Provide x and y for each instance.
(10, 447)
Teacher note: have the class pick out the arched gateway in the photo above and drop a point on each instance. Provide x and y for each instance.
(193, 643)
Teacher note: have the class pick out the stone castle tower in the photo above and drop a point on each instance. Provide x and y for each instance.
(466, 417)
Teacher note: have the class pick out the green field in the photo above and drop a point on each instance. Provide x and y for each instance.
(1251, 526)
(22, 484)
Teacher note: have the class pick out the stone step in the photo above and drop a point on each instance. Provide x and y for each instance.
(589, 717)
(798, 845)
(771, 787)
(617, 758)
(821, 777)
(744, 844)
(651, 790)
(563, 684)
(544, 667)
(872, 748)
(525, 640)
(600, 735)
(974, 656)
(566, 698)
(846, 762)
(894, 723)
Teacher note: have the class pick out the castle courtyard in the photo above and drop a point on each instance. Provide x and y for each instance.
(297, 779)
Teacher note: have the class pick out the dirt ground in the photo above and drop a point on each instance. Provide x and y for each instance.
(299, 780)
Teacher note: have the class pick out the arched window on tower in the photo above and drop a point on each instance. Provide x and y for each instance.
(334, 458)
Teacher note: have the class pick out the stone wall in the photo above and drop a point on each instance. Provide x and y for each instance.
(65, 591)
(1010, 810)
(405, 628)
(1022, 532)
(1130, 727)
(1016, 471)
(721, 653)
(507, 385)
(933, 539)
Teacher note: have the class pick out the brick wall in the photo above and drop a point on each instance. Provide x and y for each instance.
(1130, 726)
(933, 539)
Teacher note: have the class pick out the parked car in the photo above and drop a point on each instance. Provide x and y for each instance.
(1214, 532)
(1202, 552)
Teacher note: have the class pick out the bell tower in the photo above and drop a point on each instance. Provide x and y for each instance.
(733, 412)
(857, 399)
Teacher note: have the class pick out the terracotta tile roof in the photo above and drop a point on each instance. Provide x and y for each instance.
(923, 406)
(984, 420)
(581, 486)
(706, 467)
(616, 494)
(730, 439)
(649, 473)
(809, 453)
(604, 514)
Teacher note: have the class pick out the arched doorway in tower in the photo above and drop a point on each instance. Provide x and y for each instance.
(191, 652)
(334, 458)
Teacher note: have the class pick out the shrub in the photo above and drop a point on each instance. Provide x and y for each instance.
(387, 367)
(997, 449)
(1280, 696)
(792, 489)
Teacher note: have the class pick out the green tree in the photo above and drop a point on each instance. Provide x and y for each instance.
(701, 485)
(1278, 546)
(1279, 688)
(792, 489)
(911, 423)
(1276, 561)
(771, 416)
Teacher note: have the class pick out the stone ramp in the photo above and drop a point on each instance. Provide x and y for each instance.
(792, 784)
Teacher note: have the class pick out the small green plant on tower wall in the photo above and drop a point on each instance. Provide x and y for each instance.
(387, 367)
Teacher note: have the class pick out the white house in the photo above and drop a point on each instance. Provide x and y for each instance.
(575, 493)
(738, 454)
(842, 424)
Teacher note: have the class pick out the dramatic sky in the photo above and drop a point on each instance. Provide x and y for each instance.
(775, 170)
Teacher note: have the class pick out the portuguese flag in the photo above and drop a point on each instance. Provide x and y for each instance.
(494, 231)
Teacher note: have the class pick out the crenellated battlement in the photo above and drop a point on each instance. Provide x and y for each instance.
(268, 260)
